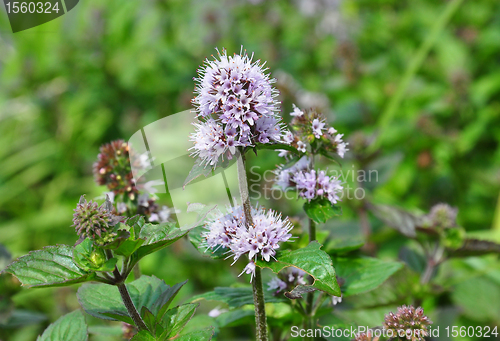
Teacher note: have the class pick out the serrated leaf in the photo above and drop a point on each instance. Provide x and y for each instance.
(71, 326)
(235, 297)
(198, 169)
(321, 209)
(362, 274)
(104, 301)
(157, 236)
(313, 261)
(176, 319)
(199, 335)
(49, 267)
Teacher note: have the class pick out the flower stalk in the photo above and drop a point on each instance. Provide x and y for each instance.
(258, 292)
(132, 311)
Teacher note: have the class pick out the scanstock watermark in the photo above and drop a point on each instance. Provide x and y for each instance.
(328, 331)
(164, 147)
(30, 13)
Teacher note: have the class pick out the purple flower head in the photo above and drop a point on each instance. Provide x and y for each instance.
(234, 98)
(309, 183)
(409, 322)
(310, 128)
(261, 239)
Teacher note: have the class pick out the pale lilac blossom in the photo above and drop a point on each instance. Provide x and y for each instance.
(236, 106)
(259, 240)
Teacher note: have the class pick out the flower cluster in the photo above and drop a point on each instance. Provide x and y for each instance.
(408, 322)
(236, 105)
(286, 280)
(258, 239)
(311, 131)
(113, 169)
(309, 183)
(94, 221)
(442, 216)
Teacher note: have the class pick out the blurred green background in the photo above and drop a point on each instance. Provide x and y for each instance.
(416, 82)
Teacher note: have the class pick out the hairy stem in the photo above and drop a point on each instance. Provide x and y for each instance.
(310, 296)
(258, 292)
(132, 311)
(119, 280)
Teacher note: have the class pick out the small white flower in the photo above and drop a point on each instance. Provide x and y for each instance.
(296, 111)
(318, 127)
(216, 312)
(336, 300)
(301, 147)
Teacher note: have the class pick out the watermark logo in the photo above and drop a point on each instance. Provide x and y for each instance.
(163, 149)
(27, 14)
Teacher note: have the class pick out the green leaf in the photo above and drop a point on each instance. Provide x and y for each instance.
(71, 326)
(199, 335)
(198, 169)
(478, 298)
(19, 318)
(148, 318)
(52, 266)
(128, 247)
(475, 247)
(312, 260)
(321, 209)
(90, 258)
(344, 236)
(157, 236)
(397, 218)
(143, 335)
(235, 297)
(176, 319)
(362, 274)
(104, 301)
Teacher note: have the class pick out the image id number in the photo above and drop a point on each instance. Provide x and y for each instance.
(32, 7)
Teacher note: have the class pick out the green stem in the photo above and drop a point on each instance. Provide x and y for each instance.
(119, 280)
(132, 311)
(310, 296)
(258, 292)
